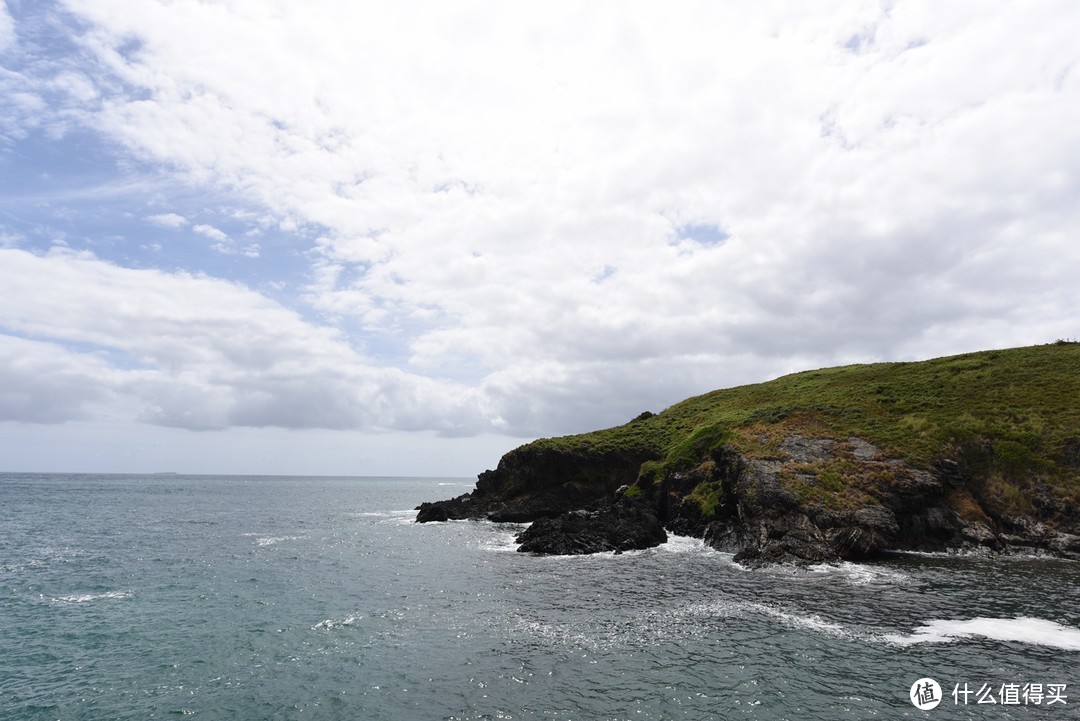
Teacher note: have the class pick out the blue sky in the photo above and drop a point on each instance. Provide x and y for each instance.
(349, 238)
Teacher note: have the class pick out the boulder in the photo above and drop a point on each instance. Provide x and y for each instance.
(623, 526)
(791, 538)
(432, 512)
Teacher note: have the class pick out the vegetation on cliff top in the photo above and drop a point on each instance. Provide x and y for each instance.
(1010, 416)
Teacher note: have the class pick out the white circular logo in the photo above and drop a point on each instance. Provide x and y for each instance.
(925, 694)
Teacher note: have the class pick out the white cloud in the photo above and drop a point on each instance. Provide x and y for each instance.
(168, 220)
(7, 28)
(43, 383)
(226, 245)
(506, 192)
(212, 233)
(9, 239)
(195, 352)
(76, 86)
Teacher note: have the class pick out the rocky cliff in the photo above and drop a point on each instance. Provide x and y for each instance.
(978, 452)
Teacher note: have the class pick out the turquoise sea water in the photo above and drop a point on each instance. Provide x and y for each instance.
(139, 597)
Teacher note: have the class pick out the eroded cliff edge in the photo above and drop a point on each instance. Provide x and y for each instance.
(977, 452)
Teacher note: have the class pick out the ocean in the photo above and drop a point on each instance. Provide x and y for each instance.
(244, 597)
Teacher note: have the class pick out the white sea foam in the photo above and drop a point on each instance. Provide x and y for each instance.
(396, 517)
(272, 540)
(811, 622)
(402, 518)
(501, 542)
(923, 554)
(980, 553)
(1035, 631)
(43, 557)
(675, 544)
(559, 634)
(88, 597)
(331, 623)
(859, 574)
(502, 537)
(656, 626)
(804, 621)
(685, 544)
(1027, 554)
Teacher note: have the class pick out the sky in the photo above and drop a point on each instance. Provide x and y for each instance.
(366, 238)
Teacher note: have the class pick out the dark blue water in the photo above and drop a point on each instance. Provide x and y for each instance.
(138, 597)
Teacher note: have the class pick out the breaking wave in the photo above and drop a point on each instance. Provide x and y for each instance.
(88, 597)
(1034, 631)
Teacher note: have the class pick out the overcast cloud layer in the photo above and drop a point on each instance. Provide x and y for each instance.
(486, 219)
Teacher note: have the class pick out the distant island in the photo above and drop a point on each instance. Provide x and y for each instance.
(977, 452)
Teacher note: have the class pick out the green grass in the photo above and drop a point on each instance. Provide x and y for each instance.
(707, 495)
(1011, 414)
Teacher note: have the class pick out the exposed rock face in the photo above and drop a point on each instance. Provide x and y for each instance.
(529, 484)
(763, 522)
(790, 529)
(623, 526)
(764, 510)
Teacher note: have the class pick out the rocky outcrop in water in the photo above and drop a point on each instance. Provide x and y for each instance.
(625, 525)
(772, 511)
(531, 483)
(763, 510)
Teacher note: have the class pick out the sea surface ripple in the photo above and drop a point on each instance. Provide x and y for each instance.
(140, 597)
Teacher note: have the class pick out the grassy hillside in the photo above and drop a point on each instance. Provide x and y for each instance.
(1012, 417)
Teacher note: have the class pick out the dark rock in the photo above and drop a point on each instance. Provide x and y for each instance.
(730, 536)
(764, 510)
(1065, 545)
(622, 526)
(761, 489)
(429, 512)
(792, 538)
(533, 482)
(684, 518)
(863, 450)
(807, 449)
(860, 534)
(950, 472)
(1043, 500)
(854, 543)
(979, 534)
(932, 528)
(454, 509)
